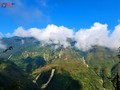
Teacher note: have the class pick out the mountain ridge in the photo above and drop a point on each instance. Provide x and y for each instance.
(88, 69)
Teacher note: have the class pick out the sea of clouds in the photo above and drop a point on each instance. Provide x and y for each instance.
(98, 34)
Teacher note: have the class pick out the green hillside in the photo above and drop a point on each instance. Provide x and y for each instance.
(32, 62)
(13, 78)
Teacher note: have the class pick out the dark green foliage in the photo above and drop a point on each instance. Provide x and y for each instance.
(13, 78)
(31, 64)
(64, 82)
(61, 81)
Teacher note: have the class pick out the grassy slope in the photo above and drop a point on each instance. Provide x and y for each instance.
(72, 68)
(70, 74)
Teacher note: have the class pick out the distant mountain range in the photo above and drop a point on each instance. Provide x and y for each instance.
(35, 65)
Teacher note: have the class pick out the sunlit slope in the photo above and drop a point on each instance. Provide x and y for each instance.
(71, 73)
(74, 69)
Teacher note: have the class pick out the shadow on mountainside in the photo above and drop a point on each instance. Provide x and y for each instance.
(60, 81)
(33, 63)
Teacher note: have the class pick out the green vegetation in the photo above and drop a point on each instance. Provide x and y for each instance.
(74, 69)
(13, 78)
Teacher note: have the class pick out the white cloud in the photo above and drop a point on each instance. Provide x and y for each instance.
(2, 46)
(115, 37)
(8, 35)
(21, 32)
(98, 34)
(51, 34)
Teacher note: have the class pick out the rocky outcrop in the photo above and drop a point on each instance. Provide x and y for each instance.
(10, 56)
(51, 76)
(34, 81)
(27, 54)
(46, 56)
(84, 62)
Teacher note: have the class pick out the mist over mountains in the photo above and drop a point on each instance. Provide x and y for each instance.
(98, 34)
(74, 69)
(2, 46)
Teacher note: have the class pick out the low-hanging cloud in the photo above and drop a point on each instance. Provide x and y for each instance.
(115, 37)
(51, 34)
(98, 34)
(2, 46)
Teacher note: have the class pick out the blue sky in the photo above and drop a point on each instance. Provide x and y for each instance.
(74, 14)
